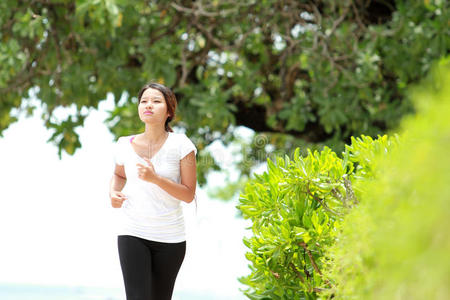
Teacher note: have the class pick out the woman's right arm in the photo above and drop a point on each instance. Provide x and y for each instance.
(117, 183)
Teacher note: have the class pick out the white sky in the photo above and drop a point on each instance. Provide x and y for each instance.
(57, 225)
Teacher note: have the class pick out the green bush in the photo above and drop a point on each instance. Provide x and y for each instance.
(396, 244)
(295, 208)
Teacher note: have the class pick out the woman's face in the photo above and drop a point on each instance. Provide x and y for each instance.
(152, 107)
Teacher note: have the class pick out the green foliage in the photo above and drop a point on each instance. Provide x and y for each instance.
(295, 208)
(315, 72)
(395, 244)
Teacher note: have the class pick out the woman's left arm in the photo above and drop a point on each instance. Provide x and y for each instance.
(185, 190)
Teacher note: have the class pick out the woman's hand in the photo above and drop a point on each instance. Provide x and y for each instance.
(117, 199)
(147, 173)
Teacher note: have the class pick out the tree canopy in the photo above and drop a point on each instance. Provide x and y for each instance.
(301, 72)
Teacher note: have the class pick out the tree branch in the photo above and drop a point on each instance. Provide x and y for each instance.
(304, 246)
(299, 275)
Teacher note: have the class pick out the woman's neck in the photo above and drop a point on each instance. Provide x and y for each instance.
(154, 134)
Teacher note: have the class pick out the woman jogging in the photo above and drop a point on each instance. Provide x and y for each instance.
(154, 171)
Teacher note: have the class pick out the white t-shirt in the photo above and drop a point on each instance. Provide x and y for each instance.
(150, 212)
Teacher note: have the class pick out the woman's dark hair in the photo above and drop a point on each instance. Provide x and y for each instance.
(169, 96)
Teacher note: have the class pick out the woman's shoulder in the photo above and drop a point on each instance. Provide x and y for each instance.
(184, 144)
(179, 136)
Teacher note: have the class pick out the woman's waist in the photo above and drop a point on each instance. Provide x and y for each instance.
(153, 214)
(146, 223)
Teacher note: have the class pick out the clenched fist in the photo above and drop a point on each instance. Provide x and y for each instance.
(147, 173)
(117, 199)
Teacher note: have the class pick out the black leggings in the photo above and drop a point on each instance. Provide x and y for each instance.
(149, 268)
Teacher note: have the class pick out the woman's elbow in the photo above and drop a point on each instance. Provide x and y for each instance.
(191, 196)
